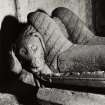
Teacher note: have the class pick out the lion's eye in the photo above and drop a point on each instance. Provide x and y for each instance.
(23, 51)
(34, 48)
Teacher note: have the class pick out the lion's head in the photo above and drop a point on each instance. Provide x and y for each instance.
(30, 49)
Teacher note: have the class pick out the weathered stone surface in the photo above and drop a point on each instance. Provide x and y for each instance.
(8, 99)
(27, 77)
(66, 97)
(61, 26)
(76, 28)
(57, 96)
(81, 7)
(7, 7)
(81, 58)
(55, 41)
(78, 31)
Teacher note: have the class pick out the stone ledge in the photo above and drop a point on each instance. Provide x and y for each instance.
(67, 97)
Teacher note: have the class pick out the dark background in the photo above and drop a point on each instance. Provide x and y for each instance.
(98, 7)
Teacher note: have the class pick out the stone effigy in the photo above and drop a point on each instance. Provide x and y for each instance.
(65, 96)
(68, 56)
(26, 61)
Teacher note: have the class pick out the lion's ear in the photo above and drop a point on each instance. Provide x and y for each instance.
(15, 65)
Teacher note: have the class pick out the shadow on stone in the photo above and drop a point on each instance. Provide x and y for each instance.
(9, 82)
